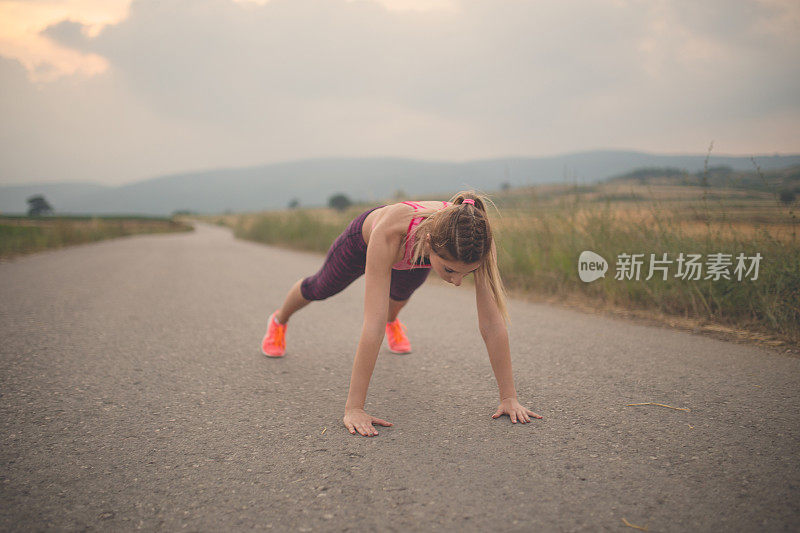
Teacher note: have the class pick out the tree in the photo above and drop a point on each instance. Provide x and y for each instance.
(339, 201)
(294, 203)
(787, 196)
(38, 206)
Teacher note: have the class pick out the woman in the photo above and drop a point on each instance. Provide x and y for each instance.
(396, 246)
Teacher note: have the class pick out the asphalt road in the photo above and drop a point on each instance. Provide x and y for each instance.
(133, 395)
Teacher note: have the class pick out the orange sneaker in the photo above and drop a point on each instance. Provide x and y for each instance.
(274, 342)
(396, 337)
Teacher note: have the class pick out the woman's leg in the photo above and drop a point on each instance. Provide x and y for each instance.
(403, 285)
(404, 282)
(345, 262)
(394, 308)
(294, 302)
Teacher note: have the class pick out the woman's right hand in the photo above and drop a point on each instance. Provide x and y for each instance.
(358, 420)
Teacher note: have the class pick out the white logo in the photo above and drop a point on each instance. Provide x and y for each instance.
(591, 266)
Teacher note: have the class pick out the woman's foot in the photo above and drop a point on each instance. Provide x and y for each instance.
(396, 337)
(274, 342)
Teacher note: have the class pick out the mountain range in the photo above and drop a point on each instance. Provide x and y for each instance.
(313, 181)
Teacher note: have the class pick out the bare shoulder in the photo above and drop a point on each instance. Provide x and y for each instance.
(386, 220)
(389, 219)
(392, 220)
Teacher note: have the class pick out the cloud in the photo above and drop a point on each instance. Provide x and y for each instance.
(89, 128)
(69, 33)
(293, 78)
(210, 59)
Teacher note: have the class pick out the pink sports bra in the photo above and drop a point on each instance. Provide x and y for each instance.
(405, 263)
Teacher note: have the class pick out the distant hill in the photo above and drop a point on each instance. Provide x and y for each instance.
(313, 181)
(13, 198)
(775, 180)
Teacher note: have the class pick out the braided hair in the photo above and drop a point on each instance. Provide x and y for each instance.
(469, 237)
(461, 232)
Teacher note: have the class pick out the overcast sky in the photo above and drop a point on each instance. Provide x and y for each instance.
(113, 91)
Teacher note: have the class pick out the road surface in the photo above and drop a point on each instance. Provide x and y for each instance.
(134, 396)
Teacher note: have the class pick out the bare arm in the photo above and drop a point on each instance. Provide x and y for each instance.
(381, 252)
(495, 336)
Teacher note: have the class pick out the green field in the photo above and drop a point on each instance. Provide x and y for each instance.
(542, 230)
(22, 235)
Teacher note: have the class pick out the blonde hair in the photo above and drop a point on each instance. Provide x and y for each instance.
(461, 232)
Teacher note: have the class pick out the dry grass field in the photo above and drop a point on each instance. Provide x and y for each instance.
(21, 235)
(542, 230)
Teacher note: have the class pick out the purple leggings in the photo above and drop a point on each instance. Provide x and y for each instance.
(347, 260)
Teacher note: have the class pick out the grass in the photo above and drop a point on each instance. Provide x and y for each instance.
(542, 230)
(539, 250)
(23, 235)
(299, 229)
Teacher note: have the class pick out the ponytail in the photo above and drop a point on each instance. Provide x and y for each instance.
(462, 232)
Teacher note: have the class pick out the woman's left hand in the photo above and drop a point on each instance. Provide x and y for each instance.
(515, 411)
